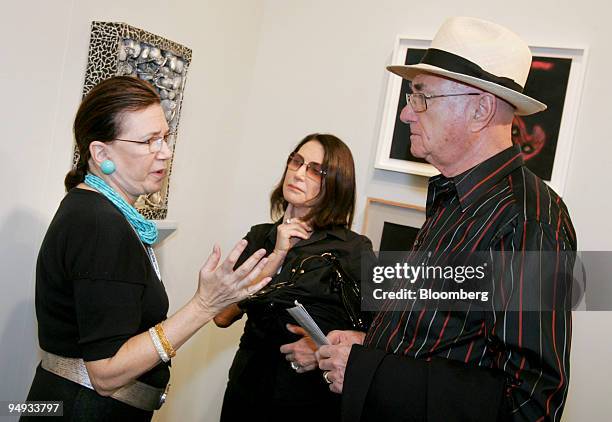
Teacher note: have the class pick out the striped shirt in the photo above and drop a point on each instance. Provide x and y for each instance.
(501, 208)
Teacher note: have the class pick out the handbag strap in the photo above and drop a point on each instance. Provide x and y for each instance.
(349, 290)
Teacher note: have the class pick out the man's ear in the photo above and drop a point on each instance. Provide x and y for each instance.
(99, 152)
(484, 112)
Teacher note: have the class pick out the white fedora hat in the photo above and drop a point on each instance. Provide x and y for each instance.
(482, 54)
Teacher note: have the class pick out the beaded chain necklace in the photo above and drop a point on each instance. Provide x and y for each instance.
(146, 230)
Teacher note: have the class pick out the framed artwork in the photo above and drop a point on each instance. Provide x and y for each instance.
(546, 138)
(392, 226)
(120, 49)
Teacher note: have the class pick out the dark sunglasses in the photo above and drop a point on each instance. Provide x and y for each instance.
(314, 171)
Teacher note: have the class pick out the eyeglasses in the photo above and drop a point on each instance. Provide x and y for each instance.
(418, 100)
(314, 171)
(155, 143)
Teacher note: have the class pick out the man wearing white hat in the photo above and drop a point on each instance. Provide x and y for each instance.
(509, 361)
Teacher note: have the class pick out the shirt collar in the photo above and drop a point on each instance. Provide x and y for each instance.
(440, 188)
(473, 183)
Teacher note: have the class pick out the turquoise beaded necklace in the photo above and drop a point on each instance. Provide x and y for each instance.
(146, 230)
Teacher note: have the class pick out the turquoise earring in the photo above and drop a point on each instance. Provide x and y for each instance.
(108, 167)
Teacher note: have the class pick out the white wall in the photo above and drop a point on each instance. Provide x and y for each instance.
(29, 125)
(264, 74)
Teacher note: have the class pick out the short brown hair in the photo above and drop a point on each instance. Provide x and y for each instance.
(335, 203)
(99, 116)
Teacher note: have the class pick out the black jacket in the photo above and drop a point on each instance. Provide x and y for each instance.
(267, 316)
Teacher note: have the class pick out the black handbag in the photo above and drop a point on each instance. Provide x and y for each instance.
(340, 283)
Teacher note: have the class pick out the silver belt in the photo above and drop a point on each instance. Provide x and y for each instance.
(136, 393)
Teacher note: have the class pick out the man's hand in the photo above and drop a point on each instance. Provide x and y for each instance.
(332, 358)
(346, 337)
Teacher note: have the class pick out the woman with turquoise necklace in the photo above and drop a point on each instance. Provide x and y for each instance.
(101, 305)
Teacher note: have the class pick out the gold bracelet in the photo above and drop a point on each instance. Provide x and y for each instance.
(164, 341)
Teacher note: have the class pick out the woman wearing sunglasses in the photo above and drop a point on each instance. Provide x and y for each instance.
(100, 301)
(274, 375)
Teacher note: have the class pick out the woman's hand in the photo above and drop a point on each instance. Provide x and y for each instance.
(290, 232)
(220, 286)
(300, 354)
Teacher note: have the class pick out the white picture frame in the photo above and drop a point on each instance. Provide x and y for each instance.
(563, 143)
(378, 211)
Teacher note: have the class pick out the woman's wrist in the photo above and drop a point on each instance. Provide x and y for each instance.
(280, 253)
(202, 310)
(278, 258)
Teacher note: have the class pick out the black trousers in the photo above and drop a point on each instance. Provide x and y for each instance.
(263, 387)
(240, 407)
(80, 403)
